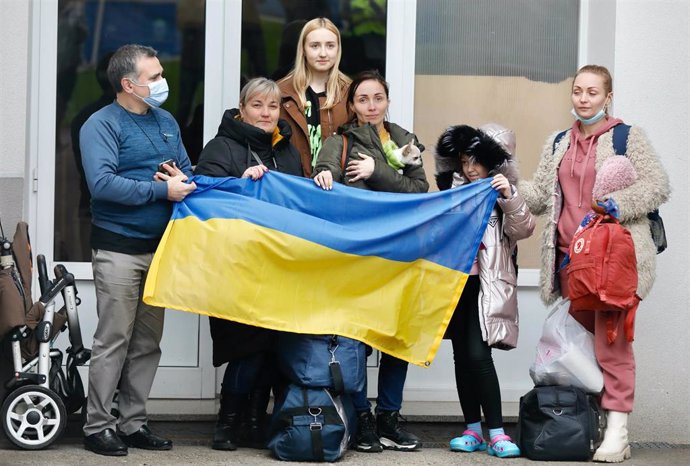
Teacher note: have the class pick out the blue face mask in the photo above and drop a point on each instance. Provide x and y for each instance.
(589, 121)
(158, 92)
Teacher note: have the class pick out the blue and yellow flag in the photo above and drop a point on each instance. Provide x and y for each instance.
(383, 268)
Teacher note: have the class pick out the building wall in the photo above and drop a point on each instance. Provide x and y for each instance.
(652, 89)
(14, 63)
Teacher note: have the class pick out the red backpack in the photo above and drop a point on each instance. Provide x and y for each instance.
(602, 273)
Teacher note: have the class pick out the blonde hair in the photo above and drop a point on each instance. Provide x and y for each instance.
(600, 71)
(301, 74)
(262, 86)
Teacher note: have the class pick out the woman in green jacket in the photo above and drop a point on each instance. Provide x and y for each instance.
(371, 140)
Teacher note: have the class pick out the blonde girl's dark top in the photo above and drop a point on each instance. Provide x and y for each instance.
(313, 115)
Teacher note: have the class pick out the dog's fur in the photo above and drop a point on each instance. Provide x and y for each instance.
(409, 154)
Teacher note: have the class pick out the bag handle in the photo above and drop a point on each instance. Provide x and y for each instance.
(593, 226)
(605, 273)
(315, 428)
(334, 367)
(347, 148)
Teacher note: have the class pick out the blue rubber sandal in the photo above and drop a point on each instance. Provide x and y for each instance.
(502, 446)
(468, 442)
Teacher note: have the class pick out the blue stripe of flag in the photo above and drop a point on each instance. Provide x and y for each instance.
(443, 227)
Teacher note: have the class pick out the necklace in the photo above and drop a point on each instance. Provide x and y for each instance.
(164, 137)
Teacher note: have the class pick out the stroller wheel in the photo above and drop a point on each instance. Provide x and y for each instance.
(33, 417)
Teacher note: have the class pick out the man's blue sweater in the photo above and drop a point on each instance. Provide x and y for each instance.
(120, 152)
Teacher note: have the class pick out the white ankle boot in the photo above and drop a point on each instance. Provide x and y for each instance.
(615, 447)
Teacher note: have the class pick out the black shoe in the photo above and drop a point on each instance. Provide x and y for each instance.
(147, 440)
(105, 443)
(226, 435)
(366, 440)
(253, 430)
(392, 436)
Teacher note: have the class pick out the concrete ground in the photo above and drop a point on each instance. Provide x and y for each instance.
(192, 439)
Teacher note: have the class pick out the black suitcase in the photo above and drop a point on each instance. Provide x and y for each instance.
(560, 423)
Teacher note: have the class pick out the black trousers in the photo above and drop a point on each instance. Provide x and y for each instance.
(475, 374)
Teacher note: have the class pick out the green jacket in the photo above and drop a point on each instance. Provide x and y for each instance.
(365, 139)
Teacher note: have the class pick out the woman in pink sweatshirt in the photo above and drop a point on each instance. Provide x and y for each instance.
(561, 190)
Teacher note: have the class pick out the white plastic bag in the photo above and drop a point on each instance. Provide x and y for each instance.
(565, 353)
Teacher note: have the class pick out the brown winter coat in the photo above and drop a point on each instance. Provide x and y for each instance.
(292, 112)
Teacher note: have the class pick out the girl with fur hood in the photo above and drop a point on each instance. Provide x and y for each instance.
(487, 315)
(562, 190)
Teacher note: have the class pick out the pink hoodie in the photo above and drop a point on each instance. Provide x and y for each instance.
(576, 175)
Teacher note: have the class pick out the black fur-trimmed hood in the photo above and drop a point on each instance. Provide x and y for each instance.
(482, 148)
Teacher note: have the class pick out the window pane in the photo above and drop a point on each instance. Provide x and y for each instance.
(270, 31)
(506, 61)
(88, 32)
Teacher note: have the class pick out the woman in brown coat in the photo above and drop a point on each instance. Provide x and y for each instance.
(314, 92)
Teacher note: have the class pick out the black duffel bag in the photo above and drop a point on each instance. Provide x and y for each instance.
(560, 423)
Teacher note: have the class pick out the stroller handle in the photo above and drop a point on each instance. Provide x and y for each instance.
(60, 271)
(43, 280)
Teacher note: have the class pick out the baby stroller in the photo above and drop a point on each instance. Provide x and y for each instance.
(38, 397)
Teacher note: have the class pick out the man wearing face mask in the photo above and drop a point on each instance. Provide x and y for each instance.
(123, 146)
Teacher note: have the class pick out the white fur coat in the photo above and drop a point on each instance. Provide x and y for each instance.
(543, 196)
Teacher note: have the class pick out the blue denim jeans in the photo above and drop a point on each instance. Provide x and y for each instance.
(392, 374)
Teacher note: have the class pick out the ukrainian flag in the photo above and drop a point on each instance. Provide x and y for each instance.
(383, 268)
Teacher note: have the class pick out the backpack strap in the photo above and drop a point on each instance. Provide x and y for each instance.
(347, 147)
(556, 140)
(334, 366)
(620, 138)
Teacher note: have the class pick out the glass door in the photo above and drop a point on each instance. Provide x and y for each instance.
(269, 37)
(72, 43)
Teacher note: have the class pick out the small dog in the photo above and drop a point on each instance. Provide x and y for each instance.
(409, 154)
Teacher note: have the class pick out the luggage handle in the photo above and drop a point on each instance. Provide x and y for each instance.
(314, 428)
(334, 367)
